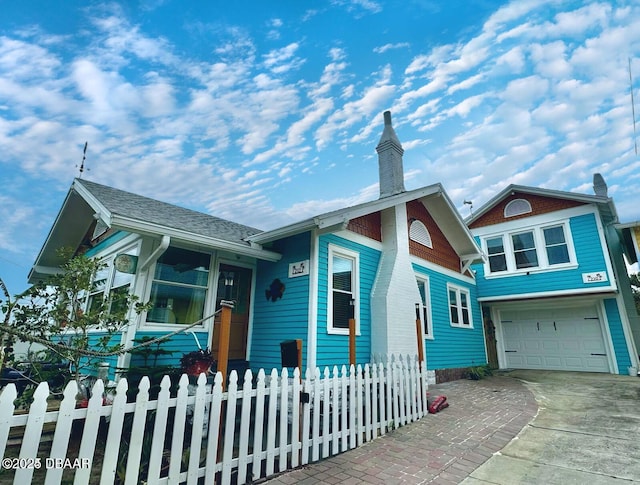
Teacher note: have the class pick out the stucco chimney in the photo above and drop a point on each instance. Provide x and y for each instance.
(390, 160)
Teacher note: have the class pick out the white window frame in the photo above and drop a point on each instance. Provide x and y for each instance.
(334, 250)
(523, 206)
(210, 289)
(459, 290)
(425, 309)
(110, 273)
(540, 247)
(546, 246)
(535, 249)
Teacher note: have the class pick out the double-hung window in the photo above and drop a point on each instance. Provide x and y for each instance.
(459, 306)
(524, 250)
(497, 255)
(179, 288)
(425, 307)
(343, 289)
(556, 245)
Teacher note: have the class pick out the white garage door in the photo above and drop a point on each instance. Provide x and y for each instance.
(557, 339)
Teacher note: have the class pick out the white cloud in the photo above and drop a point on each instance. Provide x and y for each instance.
(387, 47)
(283, 60)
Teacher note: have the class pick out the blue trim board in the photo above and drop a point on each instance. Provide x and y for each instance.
(617, 335)
(108, 242)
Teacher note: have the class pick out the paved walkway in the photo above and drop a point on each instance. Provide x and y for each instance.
(444, 448)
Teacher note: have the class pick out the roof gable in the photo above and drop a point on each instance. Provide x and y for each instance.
(440, 207)
(116, 207)
(542, 201)
(120, 210)
(539, 205)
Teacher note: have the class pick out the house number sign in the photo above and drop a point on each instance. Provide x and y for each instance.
(301, 268)
(596, 277)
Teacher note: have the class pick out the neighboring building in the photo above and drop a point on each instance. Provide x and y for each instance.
(378, 261)
(630, 240)
(554, 286)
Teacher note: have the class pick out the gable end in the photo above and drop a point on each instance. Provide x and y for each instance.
(368, 226)
(539, 205)
(442, 253)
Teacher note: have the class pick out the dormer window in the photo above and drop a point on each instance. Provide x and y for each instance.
(419, 233)
(517, 207)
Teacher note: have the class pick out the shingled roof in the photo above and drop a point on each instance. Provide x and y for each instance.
(124, 211)
(144, 209)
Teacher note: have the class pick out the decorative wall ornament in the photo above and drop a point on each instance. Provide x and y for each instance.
(275, 290)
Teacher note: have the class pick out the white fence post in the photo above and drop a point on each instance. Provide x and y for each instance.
(62, 433)
(296, 411)
(32, 432)
(245, 421)
(335, 411)
(284, 419)
(177, 440)
(306, 419)
(112, 446)
(258, 426)
(137, 432)
(344, 409)
(196, 429)
(159, 427)
(271, 426)
(213, 433)
(325, 408)
(89, 433)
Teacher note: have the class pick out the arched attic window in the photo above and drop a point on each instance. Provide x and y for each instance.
(517, 207)
(419, 233)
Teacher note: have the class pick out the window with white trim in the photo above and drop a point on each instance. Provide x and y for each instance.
(343, 289)
(459, 306)
(496, 253)
(556, 245)
(425, 306)
(524, 250)
(109, 283)
(534, 249)
(180, 286)
(517, 207)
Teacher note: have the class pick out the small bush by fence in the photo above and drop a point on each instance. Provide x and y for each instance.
(203, 433)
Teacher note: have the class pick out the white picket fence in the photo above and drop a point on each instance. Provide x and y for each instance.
(264, 426)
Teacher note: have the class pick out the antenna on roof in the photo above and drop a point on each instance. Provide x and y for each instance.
(633, 110)
(470, 204)
(84, 157)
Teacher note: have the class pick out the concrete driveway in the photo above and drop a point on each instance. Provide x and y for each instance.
(587, 431)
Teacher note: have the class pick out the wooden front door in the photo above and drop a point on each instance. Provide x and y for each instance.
(240, 294)
(490, 338)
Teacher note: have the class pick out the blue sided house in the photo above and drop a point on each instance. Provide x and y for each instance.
(532, 269)
(554, 288)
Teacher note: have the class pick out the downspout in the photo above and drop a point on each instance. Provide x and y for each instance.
(312, 327)
(164, 244)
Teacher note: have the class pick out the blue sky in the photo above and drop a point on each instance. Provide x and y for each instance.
(266, 113)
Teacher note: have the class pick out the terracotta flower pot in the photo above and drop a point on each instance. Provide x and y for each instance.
(198, 368)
